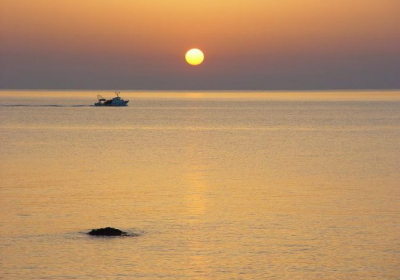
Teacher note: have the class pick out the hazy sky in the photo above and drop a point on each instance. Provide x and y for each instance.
(248, 44)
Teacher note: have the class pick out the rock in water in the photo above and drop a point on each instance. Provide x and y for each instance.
(107, 232)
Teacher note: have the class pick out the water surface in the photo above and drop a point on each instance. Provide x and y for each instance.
(240, 185)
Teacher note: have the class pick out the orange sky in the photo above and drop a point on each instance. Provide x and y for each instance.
(158, 32)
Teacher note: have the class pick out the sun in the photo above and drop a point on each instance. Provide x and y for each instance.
(194, 57)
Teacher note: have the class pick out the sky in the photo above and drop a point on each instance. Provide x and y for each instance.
(248, 44)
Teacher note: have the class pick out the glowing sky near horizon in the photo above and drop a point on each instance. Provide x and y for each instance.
(250, 44)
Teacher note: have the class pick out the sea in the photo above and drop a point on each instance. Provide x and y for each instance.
(216, 185)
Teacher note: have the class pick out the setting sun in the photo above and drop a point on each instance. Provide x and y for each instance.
(194, 57)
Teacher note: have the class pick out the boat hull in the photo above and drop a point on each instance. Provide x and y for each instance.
(112, 104)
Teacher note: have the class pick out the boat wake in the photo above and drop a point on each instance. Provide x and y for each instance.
(45, 105)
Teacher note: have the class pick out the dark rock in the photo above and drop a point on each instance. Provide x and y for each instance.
(107, 232)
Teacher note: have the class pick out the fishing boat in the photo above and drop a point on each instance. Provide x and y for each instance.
(116, 101)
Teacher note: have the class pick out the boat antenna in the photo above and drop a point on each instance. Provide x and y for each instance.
(117, 93)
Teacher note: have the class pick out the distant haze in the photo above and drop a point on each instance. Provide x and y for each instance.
(248, 44)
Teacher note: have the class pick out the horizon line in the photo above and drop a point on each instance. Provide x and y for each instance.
(204, 90)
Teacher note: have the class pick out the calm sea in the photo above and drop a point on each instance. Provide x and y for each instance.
(219, 185)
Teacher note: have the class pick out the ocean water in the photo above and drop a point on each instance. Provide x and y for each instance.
(218, 185)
